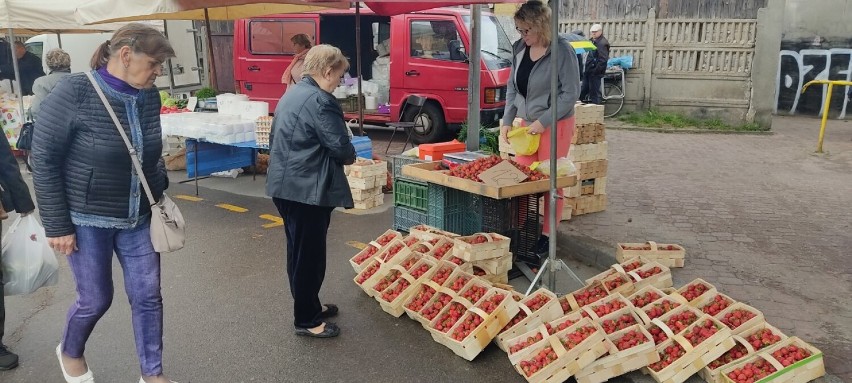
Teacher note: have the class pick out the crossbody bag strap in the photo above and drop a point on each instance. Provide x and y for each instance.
(133, 155)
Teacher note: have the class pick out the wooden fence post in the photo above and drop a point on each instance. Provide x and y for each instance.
(648, 62)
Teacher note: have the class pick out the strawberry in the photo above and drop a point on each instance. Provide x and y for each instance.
(459, 282)
(390, 296)
(630, 339)
(421, 298)
(432, 310)
(541, 359)
(419, 271)
(737, 317)
(694, 290)
(536, 302)
(566, 307)
(716, 305)
(589, 295)
(573, 339)
(647, 273)
(526, 343)
(446, 321)
(763, 338)
(612, 325)
(679, 322)
(667, 357)
(385, 239)
(442, 250)
(615, 283)
(470, 323)
(790, 354)
(409, 263)
(366, 254)
(441, 276)
(661, 308)
(645, 299)
(368, 272)
(608, 308)
(474, 293)
(700, 333)
(738, 352)
(517, 319)
(752, 372)
(632, 266)
(491, 304)
(387, 281)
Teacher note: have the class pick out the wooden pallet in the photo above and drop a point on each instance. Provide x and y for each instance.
(588, 134)
(588, 114)
(586, 204)
(588, 152)
(802, 371)
(620, 362)
(588, 170)
(592, 186)
(654, 251)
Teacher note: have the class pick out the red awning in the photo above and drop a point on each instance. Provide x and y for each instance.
(395, 7)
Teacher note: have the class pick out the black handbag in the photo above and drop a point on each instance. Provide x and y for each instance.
(25, 138)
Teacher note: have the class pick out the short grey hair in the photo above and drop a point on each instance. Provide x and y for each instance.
(58, 59)
(322, 58)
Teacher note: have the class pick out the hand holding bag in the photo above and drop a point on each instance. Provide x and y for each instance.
(167, 223)
(27, 261)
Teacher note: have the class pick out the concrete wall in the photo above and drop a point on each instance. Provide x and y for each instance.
(816, 43)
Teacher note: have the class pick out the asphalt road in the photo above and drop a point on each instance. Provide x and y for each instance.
(228, 313)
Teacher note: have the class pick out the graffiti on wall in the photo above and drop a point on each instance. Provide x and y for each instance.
(796, 68)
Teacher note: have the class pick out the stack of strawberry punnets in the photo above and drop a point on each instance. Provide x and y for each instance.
(563, 354)
(684, 354)
(589, 153)
(487, 253)
(539, 307)
(633, 349)
(366, 178)
(789, 361)
(669, 255)
(748, 343)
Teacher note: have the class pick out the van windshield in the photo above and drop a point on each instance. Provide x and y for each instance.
(496, 47)
(35, 48)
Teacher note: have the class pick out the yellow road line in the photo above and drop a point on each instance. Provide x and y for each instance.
(357, 245)
(233, 208)
(276, 221)
(189, 198)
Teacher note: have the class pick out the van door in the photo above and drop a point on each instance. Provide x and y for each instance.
(435, 63)
(268, 51)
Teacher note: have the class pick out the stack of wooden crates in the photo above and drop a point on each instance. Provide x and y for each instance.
(366, 178)
(589, 153)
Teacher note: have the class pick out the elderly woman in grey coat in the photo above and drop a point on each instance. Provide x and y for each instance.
(310, 144)
(59, 63)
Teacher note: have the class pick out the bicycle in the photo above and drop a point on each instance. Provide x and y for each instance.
(612, 91)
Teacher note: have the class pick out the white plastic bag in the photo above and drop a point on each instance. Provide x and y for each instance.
(28, 262)
(564, 167)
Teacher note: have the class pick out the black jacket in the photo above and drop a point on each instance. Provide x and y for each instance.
(311, 144)
(15, 194)
(81, 164)
(30, 69)
(596, 59)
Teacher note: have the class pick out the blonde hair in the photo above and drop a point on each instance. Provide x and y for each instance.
(537, 14)
(140, 38)
(322, 58)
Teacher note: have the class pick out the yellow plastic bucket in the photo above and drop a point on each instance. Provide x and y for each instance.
(524, 143)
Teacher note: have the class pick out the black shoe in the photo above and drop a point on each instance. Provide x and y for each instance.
(330, 311)
(8, 360)
(542, 246)
(330, 331)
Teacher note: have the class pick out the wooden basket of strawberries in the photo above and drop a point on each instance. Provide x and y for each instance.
(681, 356)
(373, 248)
(481, 246)
(632, 348)
(644, 297)
(669, 255)
(698, 292)
(748, 343)
(789, 361)
(480, 324)
(740, 318)
(623, 267)
(539, 307)
(564, 353)
(660, 307)
(392, 298)
(428, 233)
(370, 275)
(591, 293)
(651, 274)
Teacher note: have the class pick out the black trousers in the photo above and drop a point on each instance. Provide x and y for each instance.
(2, 298)
(306, 227)
(591, 88)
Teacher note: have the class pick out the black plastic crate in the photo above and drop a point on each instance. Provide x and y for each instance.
(516, 218)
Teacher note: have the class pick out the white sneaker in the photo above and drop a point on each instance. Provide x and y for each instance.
(88, 377)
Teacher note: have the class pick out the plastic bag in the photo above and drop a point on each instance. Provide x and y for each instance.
(28, 262)
(564, 167)
(625, 62)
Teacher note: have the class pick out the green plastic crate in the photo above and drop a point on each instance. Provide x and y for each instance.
(454, 210)
(404, 218)
(414, 195)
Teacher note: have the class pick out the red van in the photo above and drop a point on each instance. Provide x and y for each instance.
(422, 53)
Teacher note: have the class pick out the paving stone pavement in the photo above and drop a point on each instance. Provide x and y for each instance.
(763, 218)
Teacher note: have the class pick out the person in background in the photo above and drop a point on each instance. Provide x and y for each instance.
(15, 195)
(29, 67)
(91, 200)
(306, 181)
(293, 73)
(595, 66)
(59, 63)
(528, 95)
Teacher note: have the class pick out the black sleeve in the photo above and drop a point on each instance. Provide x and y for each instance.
(12, 181)
(603, 56)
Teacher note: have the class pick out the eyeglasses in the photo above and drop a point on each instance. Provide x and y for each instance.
(523, 32)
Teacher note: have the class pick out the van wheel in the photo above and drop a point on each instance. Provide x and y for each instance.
(431, 124)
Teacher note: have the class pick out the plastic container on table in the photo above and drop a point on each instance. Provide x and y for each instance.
(435, 152)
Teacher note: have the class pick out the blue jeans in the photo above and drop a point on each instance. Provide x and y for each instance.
(91, 266)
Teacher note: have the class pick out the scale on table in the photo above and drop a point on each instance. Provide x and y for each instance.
(452, 160)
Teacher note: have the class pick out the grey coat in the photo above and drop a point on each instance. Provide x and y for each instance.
(536, 106)
(42, 86)
(308, 146)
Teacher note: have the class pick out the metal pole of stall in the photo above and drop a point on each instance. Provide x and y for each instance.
(59, 39)
(209, 42)
(554, 94)
(358, 65)
(474, 80)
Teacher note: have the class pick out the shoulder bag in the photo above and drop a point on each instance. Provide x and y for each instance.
(167, 224)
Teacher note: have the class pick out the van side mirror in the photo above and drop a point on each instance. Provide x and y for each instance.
(457, 52)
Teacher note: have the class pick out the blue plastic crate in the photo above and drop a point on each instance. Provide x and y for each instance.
(363, 146)
(405, 218)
